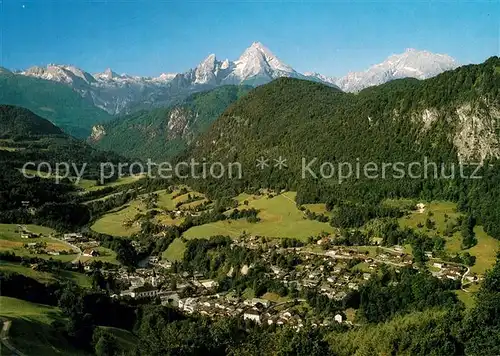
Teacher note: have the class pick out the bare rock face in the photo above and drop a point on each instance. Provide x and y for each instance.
(476, 137)
(98, 132)
(474, 128)
(178, 123)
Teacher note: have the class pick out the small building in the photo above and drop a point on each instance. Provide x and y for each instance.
(144, 292)
(188, 304)
(252, 315)
(254, 301)
(437, 265)
(90, 253)
(352, 285)
(165, 264)
(338, 318)
(209, 284)
(72, 236)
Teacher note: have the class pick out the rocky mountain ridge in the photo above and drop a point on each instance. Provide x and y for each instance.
(123, 94)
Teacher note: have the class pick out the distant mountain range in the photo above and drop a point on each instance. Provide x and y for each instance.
(122, 93)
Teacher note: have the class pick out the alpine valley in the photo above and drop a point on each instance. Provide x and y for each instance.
(278, 261)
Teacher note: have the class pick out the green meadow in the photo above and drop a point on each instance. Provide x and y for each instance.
(11, 240)
(31, 331)
(175, 251)
(279, 217)
(45, 277)
(122, 221)
(444, 214)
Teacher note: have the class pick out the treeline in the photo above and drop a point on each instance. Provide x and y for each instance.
(352, 215)
(389, 294)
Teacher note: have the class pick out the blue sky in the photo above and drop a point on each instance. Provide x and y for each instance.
(151, 37)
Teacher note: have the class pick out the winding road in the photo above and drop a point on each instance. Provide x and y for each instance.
(4, 336)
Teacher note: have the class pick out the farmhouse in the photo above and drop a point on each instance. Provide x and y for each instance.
(254, 301)
(252, 315)
(27, 235)
(90, 253)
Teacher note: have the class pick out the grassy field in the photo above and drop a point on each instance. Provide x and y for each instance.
(319, 208)
(273, 297)
(11, 240)
(31, 331)
(11, 149)
(86, 184)
(485, 251)
(91, 185)
(175, 251)
(444, 213)
(279, 218)
(45, 277)
(466, 298)
(113, 223)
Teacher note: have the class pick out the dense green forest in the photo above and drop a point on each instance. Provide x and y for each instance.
(162, 133)
(16, 122)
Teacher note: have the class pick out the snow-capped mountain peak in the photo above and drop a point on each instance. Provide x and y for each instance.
(258, 65)
(165, 77)
(108, 74)
(61, 73)
(206, 71)
(315, 76)
(411, 63)
(259, 56)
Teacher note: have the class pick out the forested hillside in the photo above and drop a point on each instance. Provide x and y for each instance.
(26, 137)
(448, 119)
(15, 121)
(55, 101)
(401, 120)
(162, 133)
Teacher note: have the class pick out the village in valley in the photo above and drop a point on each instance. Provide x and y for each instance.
(334, 271)
(318, 263)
